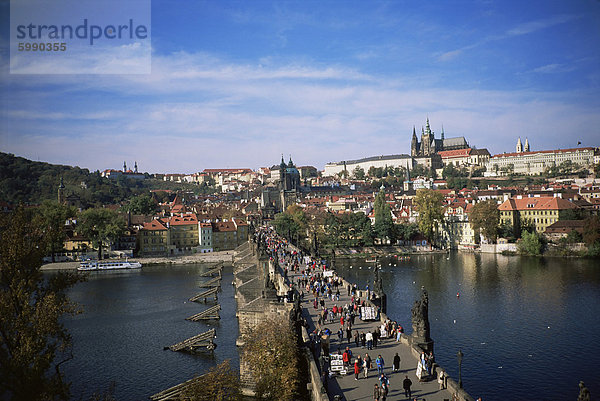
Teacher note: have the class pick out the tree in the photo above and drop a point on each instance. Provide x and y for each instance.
(221, 383)
(407, 231)
(384, 225)
(591, 231)
(100, 226)
(418, 171)
(573, 237)
(506, 230)
(52, 217)
(359, 173)
(527, 225)
(33, 341)
(271, 349)
(428, 203)
(531, 244)
(142, 204)
(484, 219)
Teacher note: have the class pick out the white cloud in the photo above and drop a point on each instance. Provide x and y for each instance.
(195, 111)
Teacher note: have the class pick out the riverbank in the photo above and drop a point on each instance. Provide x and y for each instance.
(211, 257)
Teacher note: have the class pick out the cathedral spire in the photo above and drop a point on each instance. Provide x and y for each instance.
(442, 132)
(526, 145)
(519, 146)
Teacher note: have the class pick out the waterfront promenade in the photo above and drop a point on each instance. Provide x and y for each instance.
(362, 389)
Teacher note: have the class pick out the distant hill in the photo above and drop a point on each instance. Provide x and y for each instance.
(30, 182)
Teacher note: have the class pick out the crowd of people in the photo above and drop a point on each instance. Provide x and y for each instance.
(322, 288)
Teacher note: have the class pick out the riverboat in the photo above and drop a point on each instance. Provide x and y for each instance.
(91, 265)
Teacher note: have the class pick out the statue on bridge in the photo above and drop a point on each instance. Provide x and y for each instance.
(420, 321)
(377, 282)
(584, 393)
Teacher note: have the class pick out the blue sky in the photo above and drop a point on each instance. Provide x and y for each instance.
(236, 84)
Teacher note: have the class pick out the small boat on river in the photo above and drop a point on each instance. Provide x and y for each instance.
(93, 265)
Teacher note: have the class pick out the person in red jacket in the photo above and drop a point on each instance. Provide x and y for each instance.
(356, 369)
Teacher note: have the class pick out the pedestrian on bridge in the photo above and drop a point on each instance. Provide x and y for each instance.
(406, 385)
(380, 364)
(396, 366)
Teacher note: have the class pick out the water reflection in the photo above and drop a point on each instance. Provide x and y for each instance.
(515, 318)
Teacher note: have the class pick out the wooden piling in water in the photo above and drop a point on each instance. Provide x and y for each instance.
(172, 393)
(215, 282)
(198, 341)
(205, 294)
(210, 313)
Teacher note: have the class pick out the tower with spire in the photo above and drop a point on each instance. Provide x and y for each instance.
(526, 149)
(61, 191)
(414, 144)
(519, 146)
(124, 167)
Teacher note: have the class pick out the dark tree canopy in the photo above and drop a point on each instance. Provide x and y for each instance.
(33, 341)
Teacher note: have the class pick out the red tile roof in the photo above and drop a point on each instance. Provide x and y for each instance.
(546, 203)
(186, 219)
(154, 225)
(455, 153)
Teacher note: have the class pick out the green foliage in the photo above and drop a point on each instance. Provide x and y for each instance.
(459, 183)
(451, 171)
(384, 225)
(574, 237)
(484, 219)
(506, 230)
(101, 226)
(26, 181)
(32, 337)
(406, 231)
(272, 352)
(594, 250)
(292, 223)
(221, 383)
(51, 217)
(428, 203)
(348, 230)
(142, 204)
(531, 243)
(419, 171)
(387, 171)
(359, 173)
(527, 225)
(572, 214)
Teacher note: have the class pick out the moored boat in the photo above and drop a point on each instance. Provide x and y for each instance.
(91, 265)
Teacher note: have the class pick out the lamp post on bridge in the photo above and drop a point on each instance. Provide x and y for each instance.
(459, 355)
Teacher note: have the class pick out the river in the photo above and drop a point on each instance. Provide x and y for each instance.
(129, 316)
(529, 328)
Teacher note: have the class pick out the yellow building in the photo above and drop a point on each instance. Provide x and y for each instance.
(227, 235)
(541, 211)
(184, 231)
(153, 239)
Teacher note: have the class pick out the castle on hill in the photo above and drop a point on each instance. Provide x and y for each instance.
(429, 145)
